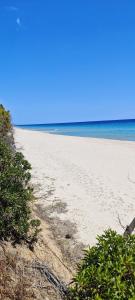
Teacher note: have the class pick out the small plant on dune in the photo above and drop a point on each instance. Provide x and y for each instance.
(108, 270)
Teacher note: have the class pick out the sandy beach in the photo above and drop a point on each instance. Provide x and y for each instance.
(91, 180)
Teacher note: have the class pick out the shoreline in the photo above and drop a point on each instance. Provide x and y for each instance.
(75, 136)
(86, 181)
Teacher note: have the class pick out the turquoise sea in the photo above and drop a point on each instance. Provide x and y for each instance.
(117, 130)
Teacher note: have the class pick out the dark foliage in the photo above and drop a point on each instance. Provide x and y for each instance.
(15, 191)
(6, 129)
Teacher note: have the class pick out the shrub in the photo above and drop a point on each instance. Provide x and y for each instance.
(6, 130)
(15, 195)
(15, 191)
(107, 270)
(5, 121)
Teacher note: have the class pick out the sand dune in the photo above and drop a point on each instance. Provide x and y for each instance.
(95, 178)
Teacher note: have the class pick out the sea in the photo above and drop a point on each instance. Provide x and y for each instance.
(115, 129)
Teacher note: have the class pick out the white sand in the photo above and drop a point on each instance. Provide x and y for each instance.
(95, 177)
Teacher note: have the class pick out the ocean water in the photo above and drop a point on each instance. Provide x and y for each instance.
(117, 130)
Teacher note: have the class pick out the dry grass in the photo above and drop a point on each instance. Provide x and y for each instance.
(63, 232)
(14, 284)
(18, 279)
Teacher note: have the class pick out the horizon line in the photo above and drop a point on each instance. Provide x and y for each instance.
(78, 122)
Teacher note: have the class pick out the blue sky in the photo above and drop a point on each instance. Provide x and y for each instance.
(67, 60)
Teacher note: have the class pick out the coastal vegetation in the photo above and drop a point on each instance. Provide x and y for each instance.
(5, 122)
(15, 190)
(6, 130)
(107, 271)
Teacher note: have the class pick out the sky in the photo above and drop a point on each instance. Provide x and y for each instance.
(67, 60)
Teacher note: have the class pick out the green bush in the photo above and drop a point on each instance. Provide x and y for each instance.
(15, 191)
(6, 130)
(5, 121)
(15, 195)
(107, 270)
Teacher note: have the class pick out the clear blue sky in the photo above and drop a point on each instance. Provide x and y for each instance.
(67, 60)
